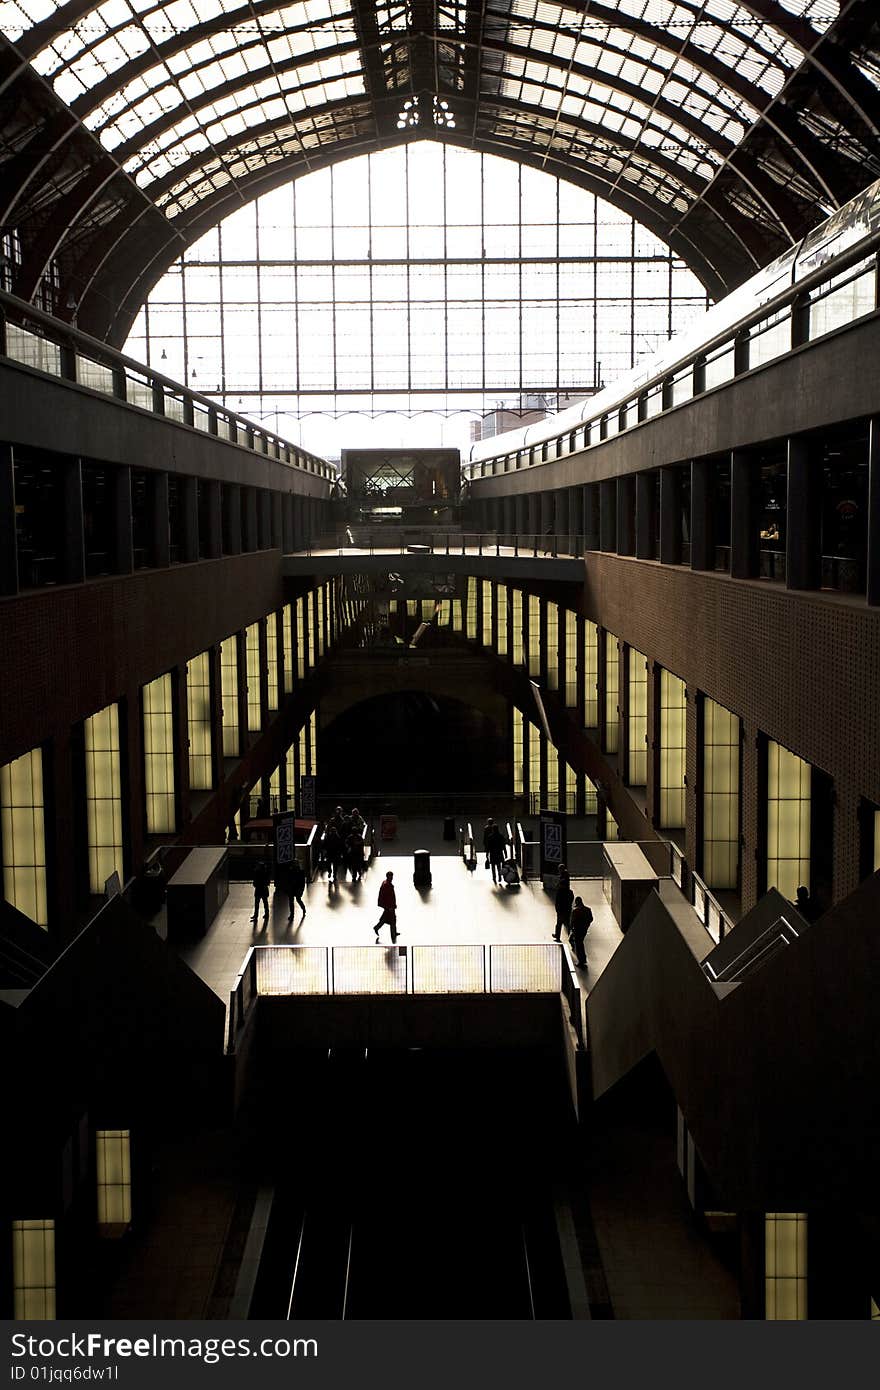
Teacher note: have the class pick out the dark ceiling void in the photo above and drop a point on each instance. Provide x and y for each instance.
(728, 130)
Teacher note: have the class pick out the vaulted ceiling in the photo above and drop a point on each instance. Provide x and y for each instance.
(127, 129)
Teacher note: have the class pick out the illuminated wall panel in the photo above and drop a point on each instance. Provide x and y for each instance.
(612, 693)
(471, 629)
(517, 641)
(287, 632)
(33, 1270)
(158, 716)
(229, 696)
(518, 773)
(252, 655)
(785, 1266)
(552, 645)
(272, 660)
(113, 1155)
(534, 636)
(721, 796)
(673, 741)
(321, 603)
(637, 719)
(23, 835)
(199, 722)
(535, 788)
(591, 675)
(103, 797)
(571, 660)
(302, 637)
(788, 821)
(487, 613)
(503, 618)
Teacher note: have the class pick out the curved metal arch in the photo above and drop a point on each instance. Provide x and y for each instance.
(139, 279)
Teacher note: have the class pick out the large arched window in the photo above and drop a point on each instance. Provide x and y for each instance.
(420, 290)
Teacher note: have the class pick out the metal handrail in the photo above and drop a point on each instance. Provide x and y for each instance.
(770, 939)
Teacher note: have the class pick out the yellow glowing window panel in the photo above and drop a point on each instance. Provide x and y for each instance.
(252, 654)
(612, 692)
(457, 616)
(471, 629)
(571, 660)
(785, 1266)
(33, 1270)
(287, 636)
(103, 797)
(290, 773)
(303, 751)
(429, 608)
(518, 775)
(23, 835)
(550, 799)
(113, 1155)
(637, 719)
(444, 613)
(313, 741)
(516, 627)
(487, 613)
(272, 660)
(721, 795)
(570, 790)
(591, 802)
(535, 788)
(612, 831)
(534, 635)
(311, 609)
(501, 619)
(552, 646)
(229, 696)
(158, 717)
(199, 722)
(302, 637)
(591, 675)
(412, 608)
(673, 747)
(788, 821)
(320, 599)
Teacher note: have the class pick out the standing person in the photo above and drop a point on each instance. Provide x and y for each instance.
(487, 831)
(332, 851)
(388, 904)
(296, 883)
(495, 847)
(356, 856)
(581, 919)
(564, 899)
(261, 890)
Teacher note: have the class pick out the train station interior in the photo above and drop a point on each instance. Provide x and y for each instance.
(440, 444)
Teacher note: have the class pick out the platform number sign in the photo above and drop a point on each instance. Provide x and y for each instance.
(308, 797)
(285, 838)
(554, 838)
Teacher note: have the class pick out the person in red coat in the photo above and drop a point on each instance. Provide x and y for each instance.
(388, 904)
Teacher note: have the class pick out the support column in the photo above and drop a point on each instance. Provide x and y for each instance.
(249, 507)
(232, 519)
(264, 519)
(160, 530)
(702, 516)
(121, 543)
(608, 514)
(8, 534)
(189, 510)
(213, 546)
(591, 516)
(277, 523)
(744, 538)
(646, 516)
(670, 516)
(626, 515)
(73, 557)
(288, 528)
(873, 539)
(803, 555)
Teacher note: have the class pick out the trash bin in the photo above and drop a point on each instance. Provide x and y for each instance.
(422, 868)
(449, 828)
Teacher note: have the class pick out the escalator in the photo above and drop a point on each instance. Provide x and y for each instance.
(426, 1195)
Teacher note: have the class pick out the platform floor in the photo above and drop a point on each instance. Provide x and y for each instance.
(459, 907)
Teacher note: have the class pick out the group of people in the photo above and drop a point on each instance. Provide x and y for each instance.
(495, 849)
(572, 914)
(342, 845)
(289, 879)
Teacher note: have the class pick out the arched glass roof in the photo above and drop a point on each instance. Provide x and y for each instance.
(727, 127)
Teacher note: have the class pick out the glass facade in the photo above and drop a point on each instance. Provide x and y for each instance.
(113, 1160)
(721, 796)
(517, 639)
(287, 634)
(272, 661)
(23, 835)
(158, 716)
(502, 619)
(534, 611)
(471, 618)
(571, 659)
(612, 693)
(591, 675)
(518, 752)
(33, 1270)
(103, 797)
(551, 645)
(254, 702)
(788, 821)
(424, 276)
(487, 614)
